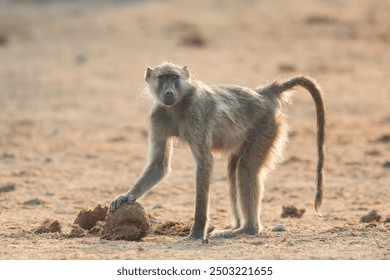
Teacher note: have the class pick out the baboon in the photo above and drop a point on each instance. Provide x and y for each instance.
(246, 125)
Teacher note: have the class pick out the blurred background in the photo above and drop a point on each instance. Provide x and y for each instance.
(73, 112)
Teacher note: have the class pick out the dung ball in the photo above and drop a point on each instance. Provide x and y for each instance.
(129, 222)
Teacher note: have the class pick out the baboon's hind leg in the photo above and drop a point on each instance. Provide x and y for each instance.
(250, 168)
(233, 189)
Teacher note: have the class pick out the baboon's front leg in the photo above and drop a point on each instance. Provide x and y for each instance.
(158, 167)
(152, 175)
(203, 175)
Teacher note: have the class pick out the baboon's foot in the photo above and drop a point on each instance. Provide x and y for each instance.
(235, 232)
(197, 232)
(195, 236)
(235, 225)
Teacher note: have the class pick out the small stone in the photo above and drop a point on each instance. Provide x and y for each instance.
(157, 206)
(384, 139)
(279, 228)
(33, 201)
(193, 38)
(7, 187)
(140, 249)
(257, 243)
(371, 217)
(3, 39)
(81, 57)
(287, 67)
(371, 226)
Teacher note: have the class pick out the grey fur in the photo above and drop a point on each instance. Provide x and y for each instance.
(244, 124)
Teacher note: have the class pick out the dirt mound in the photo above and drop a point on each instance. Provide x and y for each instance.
(172, 228)
(128, 222)
(47, 226)
(77, 231)
(292, 211)
(97, 229)
(87, 218)
(373, 216)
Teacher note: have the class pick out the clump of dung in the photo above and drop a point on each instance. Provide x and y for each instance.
(128, 222)
(171, 228)
(373, 216)
(97, 229)
(48, 226)
(77, 231)
(88, 218)
(292, 211)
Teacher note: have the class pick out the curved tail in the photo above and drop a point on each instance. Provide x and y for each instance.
(318, 97)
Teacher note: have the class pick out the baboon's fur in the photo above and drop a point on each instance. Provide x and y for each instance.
(247, 125)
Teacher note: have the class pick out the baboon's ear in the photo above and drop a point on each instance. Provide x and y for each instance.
(148, 73)
(185, 69)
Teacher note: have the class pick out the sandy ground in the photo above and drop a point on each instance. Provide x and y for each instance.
(73, 121)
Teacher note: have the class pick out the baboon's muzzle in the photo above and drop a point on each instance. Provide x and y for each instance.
(168, 98)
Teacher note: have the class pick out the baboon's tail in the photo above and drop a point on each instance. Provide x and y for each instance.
(318, 97)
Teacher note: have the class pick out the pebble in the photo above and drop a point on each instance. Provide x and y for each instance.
(3, 39)
(7, 187)
(157, 206)
(81, 57)
(140, 249)
(279, 228)
(33, 201)
(373, 216)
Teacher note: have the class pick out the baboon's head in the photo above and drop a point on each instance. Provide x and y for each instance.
(168, 82)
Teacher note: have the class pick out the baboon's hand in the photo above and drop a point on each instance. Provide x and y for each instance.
(119, 199)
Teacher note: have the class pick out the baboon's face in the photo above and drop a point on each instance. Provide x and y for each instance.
(167, 83)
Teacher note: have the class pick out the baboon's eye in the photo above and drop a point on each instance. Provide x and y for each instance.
(172, 76)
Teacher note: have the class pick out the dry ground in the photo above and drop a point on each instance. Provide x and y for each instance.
(73, 121)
